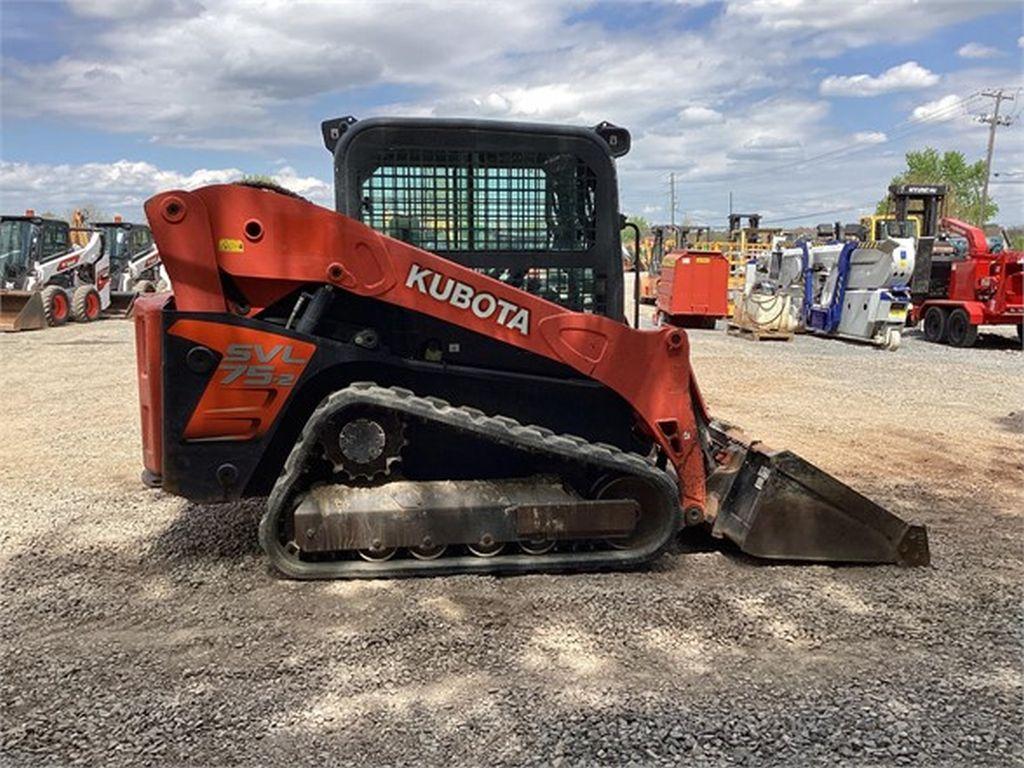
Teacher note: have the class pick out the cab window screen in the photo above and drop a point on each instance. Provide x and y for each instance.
(464, 201)
(55, 240)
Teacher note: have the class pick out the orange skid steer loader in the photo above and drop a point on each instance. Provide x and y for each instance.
(466, 399)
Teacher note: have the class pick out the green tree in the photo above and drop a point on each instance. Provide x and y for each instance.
(964, 180)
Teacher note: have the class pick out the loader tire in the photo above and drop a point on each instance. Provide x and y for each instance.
(935, 326)
(144, 286)
(85, 304)
(56, 307)
(962, 333)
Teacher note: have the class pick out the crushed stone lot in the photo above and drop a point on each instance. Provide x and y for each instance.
(139, 629)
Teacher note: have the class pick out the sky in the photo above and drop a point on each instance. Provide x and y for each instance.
(802, 109)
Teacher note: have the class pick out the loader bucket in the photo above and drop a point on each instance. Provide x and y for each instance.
(21, 311)
(121, 303)
(775, 505)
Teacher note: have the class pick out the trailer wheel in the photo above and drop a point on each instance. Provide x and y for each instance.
(56, 306)
(85, 304)
(961, 332)
(935, 326)
(892, 340)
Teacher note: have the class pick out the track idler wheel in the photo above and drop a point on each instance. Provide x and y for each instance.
(644, 494)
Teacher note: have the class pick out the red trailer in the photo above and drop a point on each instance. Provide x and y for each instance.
(693, 291)
(983, 288)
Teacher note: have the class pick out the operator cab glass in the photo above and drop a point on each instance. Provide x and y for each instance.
(533, 206)
(893, 228)
(123, 243)
(140, 241)
(55, 239)
(14, 255)
(115, 241)
(466, 202)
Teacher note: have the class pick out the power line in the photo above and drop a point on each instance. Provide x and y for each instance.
(901, 130)
(819, 213)
(908, 127)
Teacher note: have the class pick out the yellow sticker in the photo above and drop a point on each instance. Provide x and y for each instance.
(229, 245)
(703, 260)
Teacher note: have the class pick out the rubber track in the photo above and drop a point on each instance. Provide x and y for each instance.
(501, 429)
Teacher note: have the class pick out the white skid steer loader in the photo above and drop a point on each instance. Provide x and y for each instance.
(135, 265)
(45, 277)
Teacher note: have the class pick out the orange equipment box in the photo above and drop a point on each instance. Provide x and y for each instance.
(694, 289)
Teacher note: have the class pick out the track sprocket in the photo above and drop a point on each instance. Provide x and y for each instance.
(364, 445)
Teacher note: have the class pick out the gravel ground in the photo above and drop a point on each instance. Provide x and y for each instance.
(139, 629)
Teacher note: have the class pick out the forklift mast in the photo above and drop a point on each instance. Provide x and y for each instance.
(736, 221)
(927, 204)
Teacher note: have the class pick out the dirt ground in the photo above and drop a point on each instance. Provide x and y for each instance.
(139, 629)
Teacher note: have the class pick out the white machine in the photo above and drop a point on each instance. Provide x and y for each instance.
(852, 290)
(135, 265)
(45, 277)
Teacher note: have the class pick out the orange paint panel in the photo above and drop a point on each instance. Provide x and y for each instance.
(256, 374)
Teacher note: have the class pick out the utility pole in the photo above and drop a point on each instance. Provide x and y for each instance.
(672, 196)
(993, 120)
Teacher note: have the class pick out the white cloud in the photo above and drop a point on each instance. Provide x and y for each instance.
(869, 137)
(732, 147)
(123, 186)
(828, 26)
(1020, 41)
(119, 9)
(697, 115)
(908, 76)
(224, 75)
(939, 110)
(765, 146)
(977, 51)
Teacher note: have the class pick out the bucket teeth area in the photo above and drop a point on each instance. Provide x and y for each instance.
(776, 505)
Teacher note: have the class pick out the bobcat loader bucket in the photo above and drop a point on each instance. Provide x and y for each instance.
(21, 311)
(775, 505)
(121, 304)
